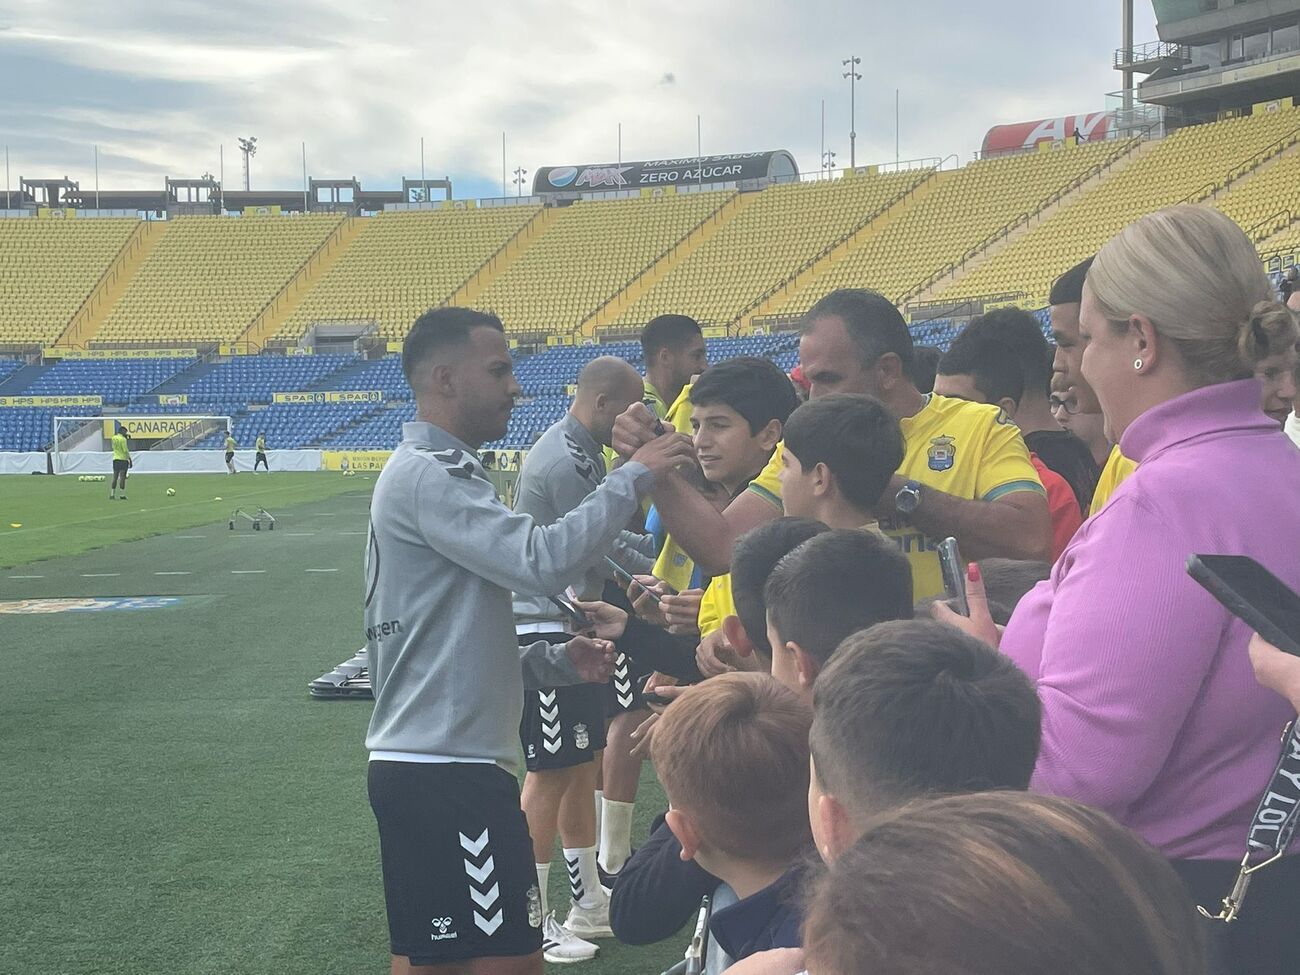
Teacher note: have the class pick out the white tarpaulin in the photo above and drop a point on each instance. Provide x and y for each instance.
(12, 462)
(184, 461)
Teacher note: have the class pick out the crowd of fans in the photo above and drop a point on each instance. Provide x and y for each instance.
(738, 576)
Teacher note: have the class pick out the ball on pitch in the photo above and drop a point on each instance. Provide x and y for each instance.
(216, 499)
(171, 492)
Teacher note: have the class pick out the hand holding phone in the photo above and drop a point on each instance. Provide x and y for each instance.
(1253, 594)
(954, 576)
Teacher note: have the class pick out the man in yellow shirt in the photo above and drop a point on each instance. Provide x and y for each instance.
(1065, 300)
(261, 454)
(121, 462)
(966, 472)
(231, 447)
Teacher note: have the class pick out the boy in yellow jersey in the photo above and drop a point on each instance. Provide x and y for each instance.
(261, 454)
(121, 462)
(231, 447)
(965, 472)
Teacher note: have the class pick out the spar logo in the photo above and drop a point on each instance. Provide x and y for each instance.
(562, 176)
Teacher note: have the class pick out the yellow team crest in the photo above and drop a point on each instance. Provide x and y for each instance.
(942, 453)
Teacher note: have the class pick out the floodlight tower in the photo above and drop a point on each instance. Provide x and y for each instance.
(852, 63)
(249, 148)
(519, 180)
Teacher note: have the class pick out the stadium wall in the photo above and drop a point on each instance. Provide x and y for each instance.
(179, 461)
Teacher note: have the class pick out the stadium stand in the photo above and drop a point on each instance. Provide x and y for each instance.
(385, 374)
(295, 425)
(781, 230)
(208, 277)
(48, 268)
(32, 428)
(966, 209)
(254, 378)
(1170, 171)
(8, 367)
(591, 251)
(117, 381)
(403, 263)
(1268, 201)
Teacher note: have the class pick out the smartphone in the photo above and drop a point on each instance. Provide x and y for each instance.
(1253, 594)
(579, 618)
(660, 429)
(628, 579)
(954, 575)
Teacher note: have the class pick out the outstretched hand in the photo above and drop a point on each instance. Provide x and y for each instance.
(633, 429)
(665, 452)
(611, 622)
(593, 658)
(980, 623)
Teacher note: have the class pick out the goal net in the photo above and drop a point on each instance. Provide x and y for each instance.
(167, 443)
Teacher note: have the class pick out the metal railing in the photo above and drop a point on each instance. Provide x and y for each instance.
(1152, 51)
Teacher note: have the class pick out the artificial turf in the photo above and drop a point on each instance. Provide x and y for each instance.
(172, 798)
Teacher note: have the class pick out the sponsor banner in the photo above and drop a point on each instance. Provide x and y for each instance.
(51, 401)
(665, 172)
(149, 427)
(55, 213)
(354, 460)
(26, 607)
(240, 349)
(395, 345)
(332, 396)
(1026, 135)
(460, 204)
(57, 353)
(173, 399)
(271, 211)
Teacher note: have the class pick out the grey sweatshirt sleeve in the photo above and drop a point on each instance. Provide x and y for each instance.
(547, 665)
(460, 517)
(635, 552)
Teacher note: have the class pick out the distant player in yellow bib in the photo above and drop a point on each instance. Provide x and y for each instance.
(261, 454)
(966, 472)
(231, 447)
(121, 462)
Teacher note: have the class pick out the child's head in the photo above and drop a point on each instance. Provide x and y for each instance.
(828, 588)
(753, 558)
(1002, 882)
(908, 709)
(840, 452)
(738, 410)
(732, 754)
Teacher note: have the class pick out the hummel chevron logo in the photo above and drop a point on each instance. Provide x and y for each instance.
(480, 874)
(457, 462)
(552, 746)
(546, 698)
(550, 715)
(488, 925)
(486, 900)
(474, 847)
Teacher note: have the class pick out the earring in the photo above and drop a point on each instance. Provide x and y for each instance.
(1137, 364)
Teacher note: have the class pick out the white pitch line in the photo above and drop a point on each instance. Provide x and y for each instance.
(99, 575)
(27, 577)
(351, 533)
(171, 573)
(247, 572)
(320, 570)
(191, 536)
(299, 534)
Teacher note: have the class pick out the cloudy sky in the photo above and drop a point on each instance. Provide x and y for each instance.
(159, 85)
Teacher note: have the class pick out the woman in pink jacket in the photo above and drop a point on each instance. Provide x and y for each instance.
(1150, 708)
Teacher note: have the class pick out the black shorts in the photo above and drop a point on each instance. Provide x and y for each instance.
(459, 877)
(229, 455)
(561, 726)
(624, 688)
(260, 458)
(121, 466)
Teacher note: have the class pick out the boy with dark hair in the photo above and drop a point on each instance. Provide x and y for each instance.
(749, 826)
(657, 891)
(840, 452)
(982, 369)
(1067, 455)
(914, 708)
(828, 588)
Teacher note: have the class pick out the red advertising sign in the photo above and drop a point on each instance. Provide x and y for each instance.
(1026, 135)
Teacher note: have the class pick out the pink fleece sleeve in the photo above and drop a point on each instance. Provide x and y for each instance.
(1128, 643)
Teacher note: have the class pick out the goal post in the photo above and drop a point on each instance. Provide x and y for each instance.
(165, 443)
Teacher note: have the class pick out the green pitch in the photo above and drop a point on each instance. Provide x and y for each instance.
(173, 799)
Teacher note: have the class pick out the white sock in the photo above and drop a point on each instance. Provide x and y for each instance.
(615, 834)
(600, 801)
(584, 881)
(543, 881)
